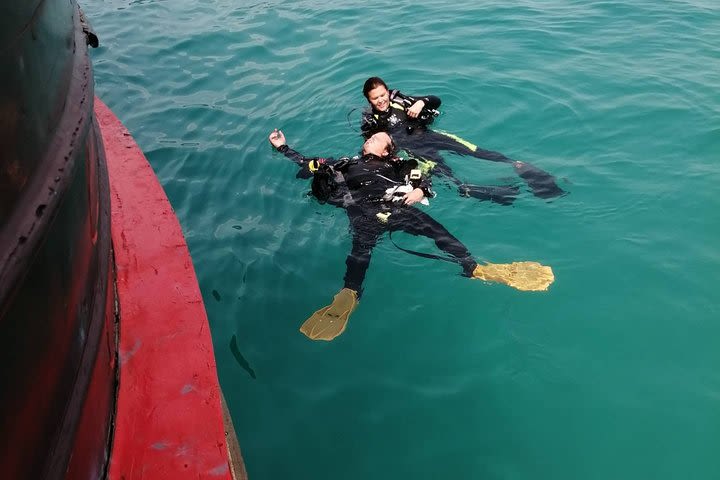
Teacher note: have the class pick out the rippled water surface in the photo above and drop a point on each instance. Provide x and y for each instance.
(612, 373)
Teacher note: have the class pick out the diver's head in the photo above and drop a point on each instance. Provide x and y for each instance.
(376, 92)
(380, 144)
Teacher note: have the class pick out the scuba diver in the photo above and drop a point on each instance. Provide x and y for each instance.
(378, 191)
(407, 118)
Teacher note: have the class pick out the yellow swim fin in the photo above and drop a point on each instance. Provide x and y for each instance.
(520, 275)
(329, 322)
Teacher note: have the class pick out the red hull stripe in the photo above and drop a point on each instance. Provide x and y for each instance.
(169, 420)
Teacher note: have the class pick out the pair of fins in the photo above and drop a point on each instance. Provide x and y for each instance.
(330, 322)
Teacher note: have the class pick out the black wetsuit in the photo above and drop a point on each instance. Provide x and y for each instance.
(414, 136)
(396, 117)
(362, 190)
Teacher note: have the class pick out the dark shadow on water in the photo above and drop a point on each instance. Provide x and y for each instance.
(239, 358)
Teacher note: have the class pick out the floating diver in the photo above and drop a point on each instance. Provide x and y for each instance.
(407, 118)
(378, 191)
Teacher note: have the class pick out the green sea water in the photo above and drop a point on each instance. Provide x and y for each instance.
(611, 374)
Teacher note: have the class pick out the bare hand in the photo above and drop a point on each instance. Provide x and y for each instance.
(277, 138)
(413, 197)
(415, 110)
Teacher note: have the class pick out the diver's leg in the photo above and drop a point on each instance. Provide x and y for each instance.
(330, 321)
(413, 221)
(502, 194)
(520, 275)
(541, 183)
(452, 143)
(428, 151)
(365, 229)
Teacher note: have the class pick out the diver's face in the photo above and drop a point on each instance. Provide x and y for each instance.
(379, 98)
(378, 144)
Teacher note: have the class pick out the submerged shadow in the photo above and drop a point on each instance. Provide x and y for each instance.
(239, 358)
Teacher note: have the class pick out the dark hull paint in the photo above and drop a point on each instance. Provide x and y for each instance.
(57, 318)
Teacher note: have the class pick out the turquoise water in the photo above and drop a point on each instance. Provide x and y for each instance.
(612, 373)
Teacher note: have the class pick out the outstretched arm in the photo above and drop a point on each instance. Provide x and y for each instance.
(307, 164)
(277, 139)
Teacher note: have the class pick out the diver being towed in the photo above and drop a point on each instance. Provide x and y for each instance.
(378, 191)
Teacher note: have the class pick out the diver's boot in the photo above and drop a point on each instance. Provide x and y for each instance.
(501, 194)
(540, 182)
(329, 322)
(520, 275)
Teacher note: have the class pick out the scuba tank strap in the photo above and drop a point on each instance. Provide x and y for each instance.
(424, 255)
